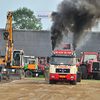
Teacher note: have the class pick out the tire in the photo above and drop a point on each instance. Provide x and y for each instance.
(95, 76)
(84, 72)
(98, 76)
(52, 82)
(55, 82)
(28, 73)
(90, 76)
(74, 82)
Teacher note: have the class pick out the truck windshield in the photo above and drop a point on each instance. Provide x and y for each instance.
(90, 57)
(62, 61)
(31, 62)
(42, 62)
(26, 59)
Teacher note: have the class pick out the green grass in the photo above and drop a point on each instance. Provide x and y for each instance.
(41, 77)
(91, 80)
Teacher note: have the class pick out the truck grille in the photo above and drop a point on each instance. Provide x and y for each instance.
(60, 70)
(95, 66)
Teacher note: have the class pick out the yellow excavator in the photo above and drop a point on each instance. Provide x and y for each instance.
(14, 59)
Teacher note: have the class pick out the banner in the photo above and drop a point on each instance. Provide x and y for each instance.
(43, 14)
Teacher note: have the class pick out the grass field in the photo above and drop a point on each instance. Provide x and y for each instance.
(93, 80)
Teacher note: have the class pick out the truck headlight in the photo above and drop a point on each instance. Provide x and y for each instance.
(72, 77)
(52, 76)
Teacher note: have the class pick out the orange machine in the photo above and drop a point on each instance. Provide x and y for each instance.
(14, 59)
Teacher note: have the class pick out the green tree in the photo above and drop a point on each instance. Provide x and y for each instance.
(24, 18)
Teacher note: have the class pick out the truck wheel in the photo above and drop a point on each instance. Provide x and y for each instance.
(28, 73)
(94, 76)
(52, 82)
(74, 82)
(98, 76)
(84, 72)
(90, 76)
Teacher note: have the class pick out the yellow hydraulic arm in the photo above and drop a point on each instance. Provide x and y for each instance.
(9, 40)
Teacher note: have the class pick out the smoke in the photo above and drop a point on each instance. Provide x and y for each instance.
(74, 16)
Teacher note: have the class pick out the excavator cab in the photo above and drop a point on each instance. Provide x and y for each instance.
(18, 58)
(16, 69)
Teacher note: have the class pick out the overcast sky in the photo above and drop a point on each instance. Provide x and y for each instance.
(34, 5)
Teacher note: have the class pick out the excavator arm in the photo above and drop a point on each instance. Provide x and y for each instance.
(8, 40)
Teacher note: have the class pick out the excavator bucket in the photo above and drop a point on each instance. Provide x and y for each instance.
(14, 76)
(20, 74)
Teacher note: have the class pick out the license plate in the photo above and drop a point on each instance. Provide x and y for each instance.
(62, 76)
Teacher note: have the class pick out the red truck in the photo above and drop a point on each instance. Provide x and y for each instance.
(62, 68)
(89, 64)
(42, 62)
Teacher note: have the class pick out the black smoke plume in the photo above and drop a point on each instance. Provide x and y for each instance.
(74, 16)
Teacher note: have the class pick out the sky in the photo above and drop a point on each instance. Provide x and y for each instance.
(34, 5)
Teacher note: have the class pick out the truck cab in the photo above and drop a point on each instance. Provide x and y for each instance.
(62, 68)
(31, 68)
(42, 62)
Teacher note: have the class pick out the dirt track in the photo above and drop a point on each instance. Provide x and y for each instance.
(29, 89)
